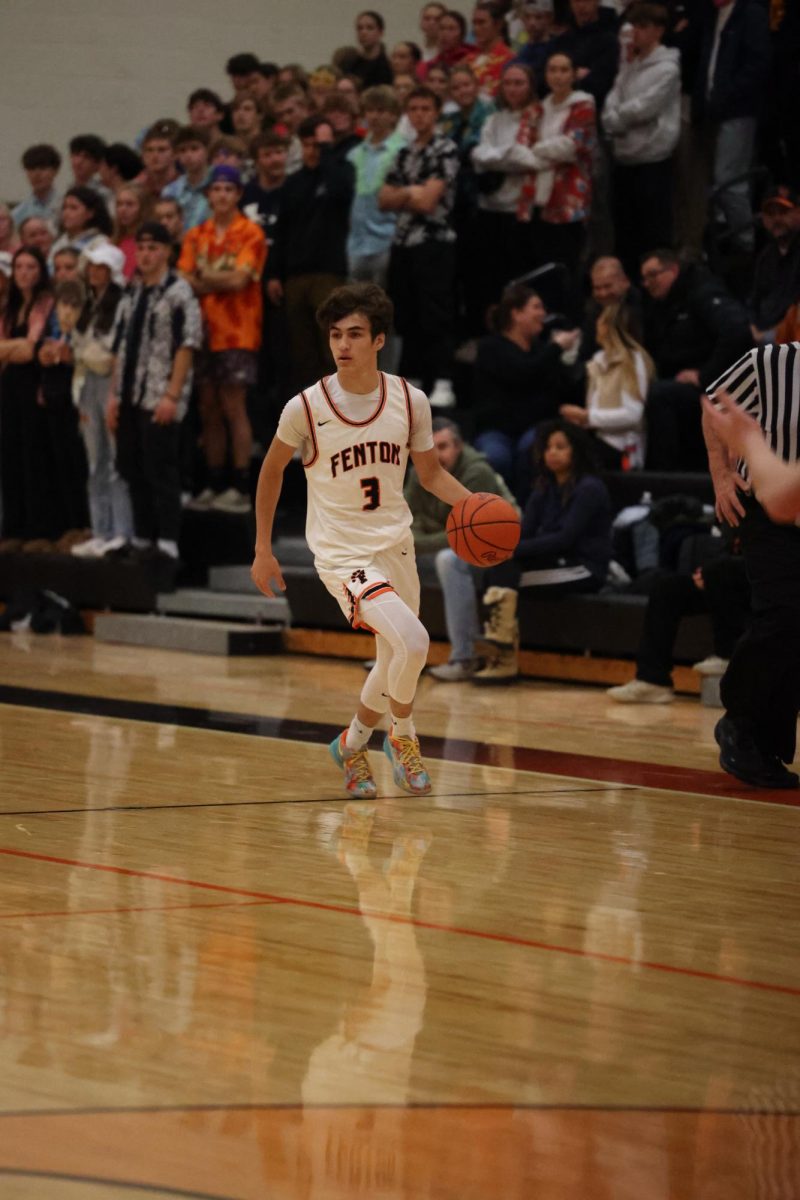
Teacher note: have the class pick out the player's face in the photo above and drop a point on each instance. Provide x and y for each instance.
(448, 448)
(352, 344)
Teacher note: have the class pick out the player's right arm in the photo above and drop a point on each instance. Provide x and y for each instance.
(266, 570)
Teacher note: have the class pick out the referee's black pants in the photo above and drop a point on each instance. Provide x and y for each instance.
(761, 688)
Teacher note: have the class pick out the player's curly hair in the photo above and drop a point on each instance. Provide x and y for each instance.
(365, 298)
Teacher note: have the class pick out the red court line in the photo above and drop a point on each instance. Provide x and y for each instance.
(137, 908)
(435, 926)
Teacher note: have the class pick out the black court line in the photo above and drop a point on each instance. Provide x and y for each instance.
(413, 1105)
(337, 799)
(103, 1181)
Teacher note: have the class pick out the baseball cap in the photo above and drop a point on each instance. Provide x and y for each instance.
(780, 197)
(223, 173)
(105, 254)
(154, 231)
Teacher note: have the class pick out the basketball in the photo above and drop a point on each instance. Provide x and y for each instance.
(484, 529)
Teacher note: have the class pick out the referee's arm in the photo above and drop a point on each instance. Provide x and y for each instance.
(775, 482)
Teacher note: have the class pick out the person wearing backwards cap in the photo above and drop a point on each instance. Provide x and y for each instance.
(223, 259)
(157, 329)
(776, 276)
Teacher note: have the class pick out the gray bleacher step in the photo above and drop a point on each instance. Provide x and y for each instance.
(231, 579)
(196, 635)
(226, 605)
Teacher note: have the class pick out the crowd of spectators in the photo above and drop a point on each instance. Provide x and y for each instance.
(581, 212)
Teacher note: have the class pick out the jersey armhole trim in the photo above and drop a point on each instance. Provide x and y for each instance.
(409, 409)
(312, 435)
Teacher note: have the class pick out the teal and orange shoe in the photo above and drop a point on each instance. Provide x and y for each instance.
(358, 779)
(407, 767)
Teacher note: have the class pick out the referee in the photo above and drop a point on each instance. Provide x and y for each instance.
(761, 688)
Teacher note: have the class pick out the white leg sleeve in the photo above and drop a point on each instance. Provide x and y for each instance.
(375, 692)
(407, 641)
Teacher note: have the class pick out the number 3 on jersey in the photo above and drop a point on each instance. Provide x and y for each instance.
(371, 488)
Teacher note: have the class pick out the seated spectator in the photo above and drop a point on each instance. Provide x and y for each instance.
(452, 44)
(730, 84)
(610, 285)
(420, 187)
(23, 462)
(308, 259)
(556, 196)
(119, 165)
(503, 239)
(565, 547)
(341, 113)
(693, 330)
(38, 232)
(189, 189)
(41, 163)
(492, 51)
(85, 156)
(262, 195)
(168, 212)
(134, 206)
(776, 278)
(405, 58)
(206, 111)
(223, 260)
(9, 238)
(321, 84)
(66, 266)
(718, 587)
(519, 382)
(642, 115)
(84, 219)
(291, 107)
(429, 18)
(457, 578)
(247, 116)
(537, 17)
(590, 40)
(158, 156)
(618, 377)
(372, 66)
(156, 333)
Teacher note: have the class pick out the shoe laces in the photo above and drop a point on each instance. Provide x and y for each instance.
(409, 754)
(358, 766)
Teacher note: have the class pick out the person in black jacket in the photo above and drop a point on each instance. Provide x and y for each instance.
(776, 278)
(729, 90)
(308, 258)
(565, 545)
(591, 42)
(519, 381)
(692, 329)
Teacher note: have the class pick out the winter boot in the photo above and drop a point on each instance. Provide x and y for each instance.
(500, 637)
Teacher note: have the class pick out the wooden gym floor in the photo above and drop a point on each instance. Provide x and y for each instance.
(571, 973)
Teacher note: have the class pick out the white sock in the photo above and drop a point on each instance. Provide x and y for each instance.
(168, 547)
(357, 735)
(403, 727)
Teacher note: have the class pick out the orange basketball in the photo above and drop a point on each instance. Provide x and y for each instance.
(484, 529)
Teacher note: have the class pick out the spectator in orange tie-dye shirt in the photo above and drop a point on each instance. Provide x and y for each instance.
(223, 260)
(488, 24)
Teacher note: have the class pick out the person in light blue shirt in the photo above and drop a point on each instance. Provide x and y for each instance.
(372, 231)
(192, 150)
(41, 164)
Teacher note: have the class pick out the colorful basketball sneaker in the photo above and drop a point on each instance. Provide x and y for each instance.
(358, 779)
(407, 768)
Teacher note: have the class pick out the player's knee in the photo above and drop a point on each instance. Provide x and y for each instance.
(417, 644)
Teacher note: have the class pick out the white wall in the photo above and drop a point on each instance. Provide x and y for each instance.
(113, 66)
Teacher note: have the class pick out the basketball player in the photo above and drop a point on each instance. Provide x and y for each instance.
(355, 430)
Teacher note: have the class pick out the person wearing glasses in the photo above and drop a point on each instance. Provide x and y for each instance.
(693, 329)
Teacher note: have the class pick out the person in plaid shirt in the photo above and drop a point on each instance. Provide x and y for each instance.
(420, 188)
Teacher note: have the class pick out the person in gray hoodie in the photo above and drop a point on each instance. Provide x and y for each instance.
(642, 116)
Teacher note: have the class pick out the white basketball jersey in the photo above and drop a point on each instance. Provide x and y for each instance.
(355, 475)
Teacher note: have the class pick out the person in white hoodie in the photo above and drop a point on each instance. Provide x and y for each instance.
(642, 116)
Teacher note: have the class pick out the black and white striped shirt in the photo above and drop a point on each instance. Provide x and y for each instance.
(765, 383)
